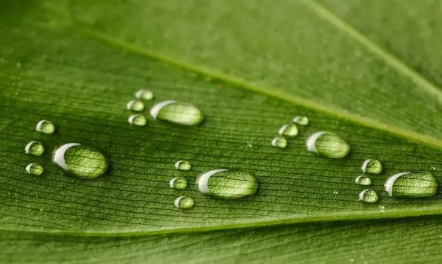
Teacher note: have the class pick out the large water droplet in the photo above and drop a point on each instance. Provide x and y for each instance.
(279, 142)
(80, 161)
(372, 166)
(183, 165)
(34, 148)
(137, 120)
(34, 169)
(411, 185)
(328, 145)
(363, 180)
(289, 130)
(178, 183)
(177, 113)
(45, 126)
(135, 105)
(368, 196)
(144, 95)
(227, 184)
(301, 120)
(184, 202)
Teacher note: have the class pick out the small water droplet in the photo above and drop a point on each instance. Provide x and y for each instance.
(279, 142)
(45, 126)
(34, 148)
(368, 196)
(289, 130)
(363, 180)
(183, 165)
(328, 145)
(80, 161)
(144, 95)
(178, 183)
(34, 169)
(227, 184)
(177, 113)
(137, 120)
(301, 120)
(411, 185)
(371, 166)
(135, 105)
(184, 202)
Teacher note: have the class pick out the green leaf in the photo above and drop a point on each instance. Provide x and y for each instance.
(250, 66)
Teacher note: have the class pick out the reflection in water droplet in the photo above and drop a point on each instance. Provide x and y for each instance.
(135, 105)
(368, 196)
(34, 169)
(301, 120)
(144, 95)
(183, 165)
(328, 145)
(372, 166)
(279, 142)
(289, 130)
(178, 183)
(34, 148)
(177, 113)
(80, 161)
(137, 120)
(184, 202)
(45, 126)
(411, 185)
(363, 180)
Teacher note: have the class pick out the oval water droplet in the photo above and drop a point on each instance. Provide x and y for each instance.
(301, 120)
(45, 126)
(137, 120)
(183, 165)
(135, 105)
(411, 185)
(328, 145)
(372, 166)
(177, 113)
(363, 180)
(368, 196)
(279, 142)
(34, 169)
(289, 130)
(184, 202)
(178, 183)
(80, 161)
(34, 148)
(144, 95)
(225, 184)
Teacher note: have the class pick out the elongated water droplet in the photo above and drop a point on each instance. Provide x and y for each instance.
(328, 145)
(411, 185)
(372, 166)
(177, 113)
(227, 184)
(135, 105)
(368, 196)
(301, 120)
(80, 161)
(34, 169)
(45, 126)
(363, 180)
(279, 142)
(34, 148)
(144, 95)
(178, 183)
(289, 130)
(183, 165)
(137, 120)
(184, 202)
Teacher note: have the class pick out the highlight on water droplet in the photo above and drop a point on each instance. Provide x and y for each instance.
(368, 196)
(184, 202)
(363, 180)
(371, 166)
(328, 145)
(34, 169)
(183, 165)
(80, 161)
(289, 130)
(45, 126)
(135, 105)
(34, 148)
(137, 120)
(226, 184)
(177, 113)
(144, 95)
(411, 185)
(301, 120)
(279, 142)
(178, 183)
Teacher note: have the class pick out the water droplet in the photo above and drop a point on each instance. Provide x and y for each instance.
(34, 148)
(363, 180)
(301, 120)
(137, 120)
(279, 142)
(227, 184)
(45, 126)
(183, 165)
(144, 95)
(80, 161)
(135, 105)
(177, 113)
(178, 183)
(368, 196)
(328, 145)
(184, 202)
(411, 185)
(34, 169)
(289, 130)
(372, 166)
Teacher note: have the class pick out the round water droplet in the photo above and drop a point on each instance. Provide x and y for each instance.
(301, 120)
(372, 166)
(144, 95)
(363, 180)
(178, 183)
(177, 113)
(34, 148)
(289, 130)
(328, 145)
(368, 196)
(45, 126)
(227, 184)
(34, 169)
(137, 120)
(279, 142)
(135, 105)
(183, 165)
(411, 185)
(80, 161)
(184, 202)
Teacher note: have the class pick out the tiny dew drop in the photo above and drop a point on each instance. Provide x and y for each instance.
(372, 166)
(177, 113)
(279, 142)
(363, 180)
(289, 130)
(184, 202)
(183, 165)
(137, 120)
(301, 120)
(80, 161)
(135, 105)
(178, 183)
(411, 185)
(45, 126)
(34, 148)
(225, 184)
(328, 145)
(144, 95)
(368, 196)
(34, 169)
